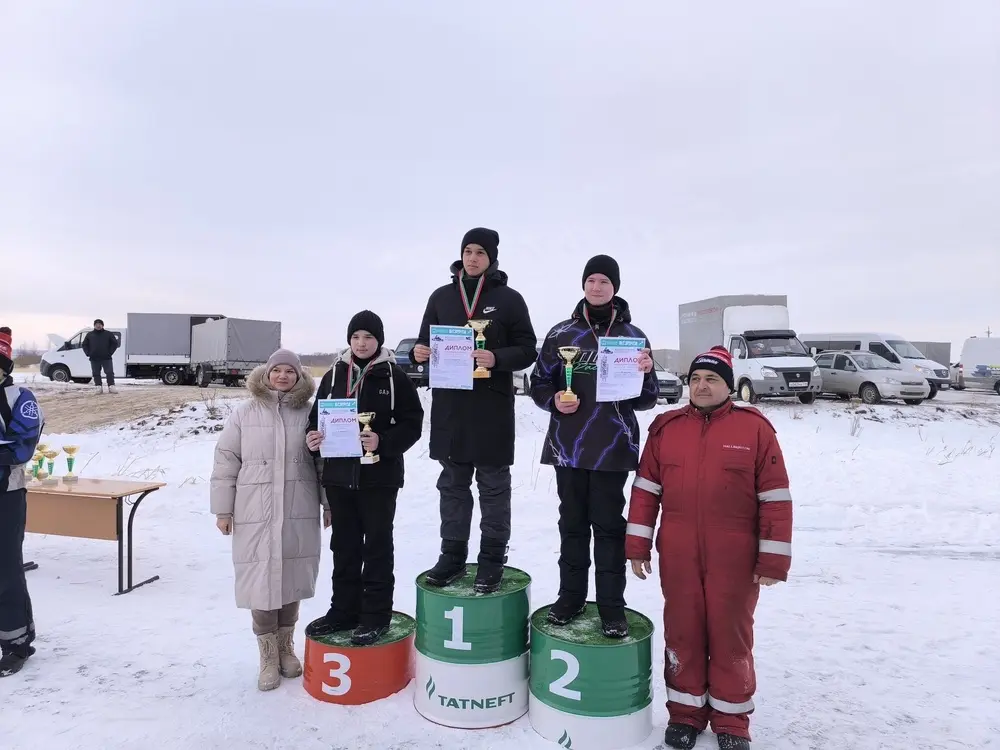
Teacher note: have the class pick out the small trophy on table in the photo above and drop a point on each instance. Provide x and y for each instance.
(51, 455)
(35, 466)
(365, 418)
(71, 451)
(569, 354)
(479, 326)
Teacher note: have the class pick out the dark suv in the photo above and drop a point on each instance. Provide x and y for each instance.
(417, 373)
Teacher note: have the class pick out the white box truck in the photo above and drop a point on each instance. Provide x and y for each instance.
(980, 363)
(151, 345)
(768, 359)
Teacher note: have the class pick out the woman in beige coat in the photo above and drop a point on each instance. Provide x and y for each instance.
(266, 493)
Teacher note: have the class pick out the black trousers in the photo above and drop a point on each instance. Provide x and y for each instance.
(96, 365)
(592, 499)
(455, 486)
(17, 626)
(363, 554)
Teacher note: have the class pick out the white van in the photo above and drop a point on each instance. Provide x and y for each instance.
(892, 346)
(980, 363)
(65, 362)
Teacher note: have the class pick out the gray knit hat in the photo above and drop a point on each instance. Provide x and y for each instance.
(284, 357)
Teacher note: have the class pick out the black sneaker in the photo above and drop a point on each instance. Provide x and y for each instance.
(564, 611)
(328, 625)
(450, 565)
(613, 622)
(681, 736)
(732, 742)
(366, 635)
(492, 556)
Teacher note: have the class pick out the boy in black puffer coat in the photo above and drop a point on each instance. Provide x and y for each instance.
(362, 498)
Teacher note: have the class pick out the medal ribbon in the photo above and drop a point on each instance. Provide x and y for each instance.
(614, 314)
(470, 309)
(354, 384)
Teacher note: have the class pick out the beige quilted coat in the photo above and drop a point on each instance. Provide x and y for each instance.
(265, 477)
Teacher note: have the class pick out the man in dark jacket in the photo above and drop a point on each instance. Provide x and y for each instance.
(20, 428)
(362, 497)
(100, 346)
(472, 432)
(593, 447)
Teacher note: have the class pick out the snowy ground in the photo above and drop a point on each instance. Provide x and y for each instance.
(885, 636)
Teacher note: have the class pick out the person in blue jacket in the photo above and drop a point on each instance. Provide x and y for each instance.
(20, 428)
(593, 446)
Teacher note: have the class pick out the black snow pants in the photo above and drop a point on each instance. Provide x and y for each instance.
(592, 499)
(455, 486)
(17, 626)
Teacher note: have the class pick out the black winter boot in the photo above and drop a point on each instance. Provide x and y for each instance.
(450, 565)
(565, 611)
(613, 622)
(492, 558)
(11, 662)
(366, 635)
(681, 736)
(732, 742)
(328, 625)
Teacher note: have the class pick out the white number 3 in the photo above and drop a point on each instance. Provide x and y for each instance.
(343, 685)
(560, 686)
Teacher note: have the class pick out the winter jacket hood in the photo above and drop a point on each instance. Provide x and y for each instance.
(602, 436)
(296, 398)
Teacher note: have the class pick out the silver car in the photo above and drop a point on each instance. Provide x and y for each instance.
(870, 376)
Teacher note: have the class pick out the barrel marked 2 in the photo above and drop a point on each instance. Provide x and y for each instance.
(589, 692)
(471, 651)
(338, 672)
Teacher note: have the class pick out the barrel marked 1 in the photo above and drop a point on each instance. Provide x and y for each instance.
(587, 691)
(472, 651)
(336, 671)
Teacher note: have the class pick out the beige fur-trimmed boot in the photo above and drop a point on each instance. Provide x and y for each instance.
(270, 676)
(288, 662)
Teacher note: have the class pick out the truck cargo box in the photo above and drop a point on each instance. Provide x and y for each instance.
(234, 340)
(161, 334)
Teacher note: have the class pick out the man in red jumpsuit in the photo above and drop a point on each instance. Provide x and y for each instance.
(715, 474)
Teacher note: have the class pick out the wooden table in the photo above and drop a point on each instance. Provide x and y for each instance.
(89, 509)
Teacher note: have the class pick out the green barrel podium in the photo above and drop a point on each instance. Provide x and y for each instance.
(589, 692)
(471, 652)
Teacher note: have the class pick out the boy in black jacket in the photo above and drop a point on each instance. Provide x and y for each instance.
(363, 497)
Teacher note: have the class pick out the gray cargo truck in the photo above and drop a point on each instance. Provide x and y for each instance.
(228, 349)
(158, 345)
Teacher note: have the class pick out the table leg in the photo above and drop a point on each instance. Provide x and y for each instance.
(30, 565)
(131, 517)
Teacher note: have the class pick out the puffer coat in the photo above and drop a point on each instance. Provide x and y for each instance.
(266, 478)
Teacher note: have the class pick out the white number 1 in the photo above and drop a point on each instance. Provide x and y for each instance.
(457, 617)
(559, 686)
(343, 686)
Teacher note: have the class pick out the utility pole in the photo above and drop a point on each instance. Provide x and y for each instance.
(988, 331)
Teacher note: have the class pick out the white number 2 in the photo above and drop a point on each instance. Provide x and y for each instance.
(559, 686)
(457, 617)
(343, 685)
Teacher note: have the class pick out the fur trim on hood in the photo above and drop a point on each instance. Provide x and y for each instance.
(385, 355)
(299, 396)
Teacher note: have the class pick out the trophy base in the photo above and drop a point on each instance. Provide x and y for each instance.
(481, 373)
(50, 481)
(70, 478)
(368, 460)
(568, 398)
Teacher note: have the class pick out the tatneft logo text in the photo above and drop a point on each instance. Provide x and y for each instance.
(474, 704)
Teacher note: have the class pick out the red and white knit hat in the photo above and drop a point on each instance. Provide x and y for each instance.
(6, 351)
(717, 360)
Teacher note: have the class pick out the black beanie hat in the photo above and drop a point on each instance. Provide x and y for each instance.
(488, 239)
(717, 360)
(366, 320)
(603, 264)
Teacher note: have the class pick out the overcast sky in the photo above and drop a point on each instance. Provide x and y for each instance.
(301, 161)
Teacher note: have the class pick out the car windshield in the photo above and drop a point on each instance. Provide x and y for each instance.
(906, 350)
(776, 348)
(874, 362)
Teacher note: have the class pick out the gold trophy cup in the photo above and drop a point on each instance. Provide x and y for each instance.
(71, 451)
(37, 461)
(568, 354)
(50, 456)
(40, 451)
(365, 419)
(479, 326)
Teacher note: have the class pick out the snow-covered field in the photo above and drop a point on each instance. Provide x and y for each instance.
(885, 636)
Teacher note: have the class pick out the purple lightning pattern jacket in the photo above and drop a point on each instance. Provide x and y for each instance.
(598, 436)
